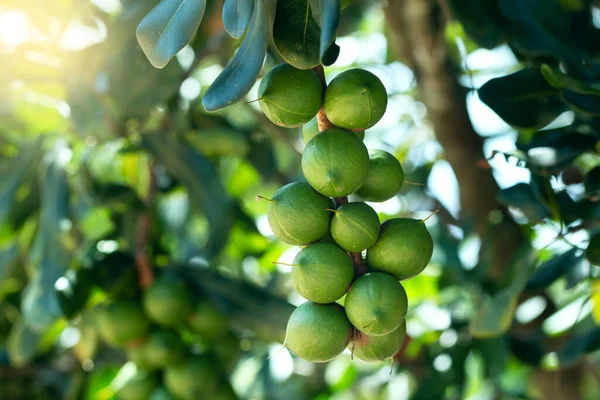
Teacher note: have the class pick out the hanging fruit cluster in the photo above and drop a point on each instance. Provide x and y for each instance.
(157, 332)
(334, 232)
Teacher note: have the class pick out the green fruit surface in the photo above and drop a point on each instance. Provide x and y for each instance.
(355, 100)
(297, 214)
(355, 226)
(167, 301)
(378, 348)
(403, 249)
(139, 387)
(290, 97)
(385, 177)
(322, 272)
(318, 332)
(335, 162)
(195, 378)
(122, 322)
(207, 320)
(164, 347)
(376, 304)
(137, 355)
(591, 184)
(592, 253)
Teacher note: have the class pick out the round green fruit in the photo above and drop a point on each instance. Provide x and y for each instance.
(592, 253)
(167, 301)
(335, 162)
(355, 226)
(318, 332)
(195, 378)
(403, 249)
(376, 304)
(163, 348)
(137, 355)
(591, 183)
(161, 393)
(298, 214)
(122, 322)
(385, 177)
(378, 348)
(290, 97)
(355, 100)
(207, 320)
(139, 387)
(322, 272)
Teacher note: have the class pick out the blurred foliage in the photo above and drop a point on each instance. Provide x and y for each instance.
(94, 139)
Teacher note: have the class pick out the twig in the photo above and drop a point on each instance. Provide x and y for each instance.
(142, 259)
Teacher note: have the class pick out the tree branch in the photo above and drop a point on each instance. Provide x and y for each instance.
(142, 259)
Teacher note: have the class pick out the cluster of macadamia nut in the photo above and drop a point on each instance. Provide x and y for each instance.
(333, 232)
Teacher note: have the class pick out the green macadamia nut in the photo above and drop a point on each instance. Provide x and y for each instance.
(122, 322)
(335, 162)
(591, 183)
(355, 100)
(138, 387)
(376, 304)
(378, 348)
(355, 226)
(192, 379)
(164, 347)
(322, 272)
(318, 332)
(290, 97)
(592, 253)
(385, 177)
(403, 249)
(167, 301)
(298, 214)
(207, 320)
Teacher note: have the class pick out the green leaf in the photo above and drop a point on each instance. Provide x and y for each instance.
(523, 99)
(482, 21)
(578, 345)
(557, 147)
(553, 269)
(543, 29)
(14, 173)
(331, 55)
(99, 382)
(330, 19)
(23, 343)
(236, 16)
(168, 28)
(236, 80)
(8, 255)
(52, 251)
(585, 104)
(246, 305)
(495, 315)
(296, 34)
(200, 178)
(559, 80)
(523, 197)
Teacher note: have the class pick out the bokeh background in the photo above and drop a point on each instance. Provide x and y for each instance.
(91, 134)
